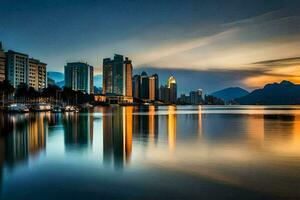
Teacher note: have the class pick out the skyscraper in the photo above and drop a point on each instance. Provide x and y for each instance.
(152, 88)
(107, 76)
(2, 63)
(164, 94)
(156, 86)
(37, 74)
(173, 89)
(144, 86)
(196, 97)
(79, 77)
(117, 76)
(136, 84)
(128, 78)
(17, 66)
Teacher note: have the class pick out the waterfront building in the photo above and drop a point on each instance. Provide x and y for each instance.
(156, 85)
(128, 78)
(2, 63)
(173, 89)
(183, 99)
(168, 93)
(144, 86)
(17, 68)
(152, 88)
(107, 76)
(164, 93)
(117, 76)
(136, 84)
(196, 97)
(37, 77)
(79, 77)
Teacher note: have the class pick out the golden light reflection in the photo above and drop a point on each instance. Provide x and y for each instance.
(172, 127)
(200, 121)
(287, 141)
(37, 132)
(151, 115)
(128, 133)
(255, 128)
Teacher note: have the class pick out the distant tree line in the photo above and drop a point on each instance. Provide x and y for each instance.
(23, 93)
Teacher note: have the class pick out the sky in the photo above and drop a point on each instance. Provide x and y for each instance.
(214, 43)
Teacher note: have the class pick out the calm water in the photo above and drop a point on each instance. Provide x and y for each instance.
(152, 153)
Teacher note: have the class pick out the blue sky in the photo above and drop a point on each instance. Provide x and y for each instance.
(208, 37)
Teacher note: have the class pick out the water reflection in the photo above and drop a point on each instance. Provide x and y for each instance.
(172, 127)
(22, 135)
(78, 130)
(247, 151)
(117, 135)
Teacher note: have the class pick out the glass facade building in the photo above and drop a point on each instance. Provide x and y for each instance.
(79, 77)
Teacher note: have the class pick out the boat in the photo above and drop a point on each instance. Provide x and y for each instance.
(18, 108)
(70, 109)
(41, 107)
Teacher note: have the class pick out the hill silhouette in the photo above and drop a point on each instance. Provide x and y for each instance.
(283, 93)
(230, 93)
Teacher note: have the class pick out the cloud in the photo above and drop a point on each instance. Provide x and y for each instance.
(233, 45)
(280, 62)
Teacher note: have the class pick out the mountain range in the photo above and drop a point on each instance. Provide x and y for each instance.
(230, 93)
(283, 93)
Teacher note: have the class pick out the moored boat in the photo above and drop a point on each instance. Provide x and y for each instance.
(19, 108)
(41, 107)
(70, 109)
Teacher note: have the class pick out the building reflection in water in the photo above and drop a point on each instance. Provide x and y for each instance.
(171, 127)
(78, 130)
(145, 124)
(121, 124)
(117, 135)
(21, 136)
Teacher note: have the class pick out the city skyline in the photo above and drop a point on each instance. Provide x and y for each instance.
(192, 36)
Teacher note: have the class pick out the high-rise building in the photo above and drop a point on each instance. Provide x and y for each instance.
(151, 88)
(127, 90)
(173, 89)
(79, 77)
(117, 76)
(136, 84)
(37, 77)
(144, 86)
(17, 68)
(196, 97)
(156, 86)
(107, 76)
(164, 93)
(2, 63)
